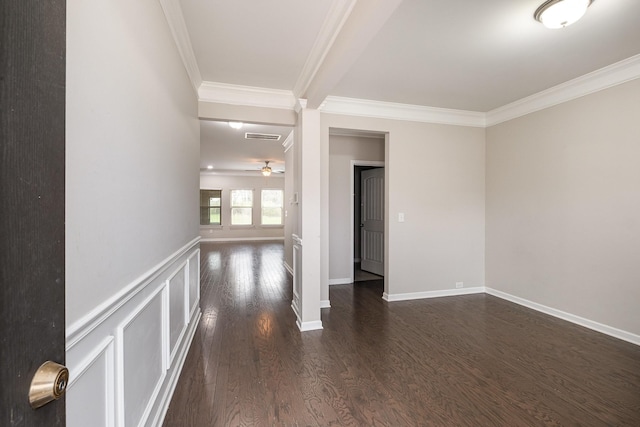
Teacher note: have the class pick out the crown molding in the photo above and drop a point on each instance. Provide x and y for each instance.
(246, 95)
(395, 111)
(288, 143)
(612, 75)
(337, 16)
(175, 19)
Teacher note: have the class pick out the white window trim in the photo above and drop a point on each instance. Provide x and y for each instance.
(281, 225)
(253, 207)
(221, 190)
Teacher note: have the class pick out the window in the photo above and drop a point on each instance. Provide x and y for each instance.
(210, 207)
(272, 207)
(241, 207)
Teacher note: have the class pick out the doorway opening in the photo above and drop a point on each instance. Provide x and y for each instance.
(367, 220)
(350, 149)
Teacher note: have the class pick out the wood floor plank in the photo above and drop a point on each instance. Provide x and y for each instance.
(472, 360)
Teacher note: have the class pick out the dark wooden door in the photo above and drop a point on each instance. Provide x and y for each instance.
(32, 123)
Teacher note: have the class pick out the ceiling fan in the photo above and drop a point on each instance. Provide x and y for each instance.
(266, 170)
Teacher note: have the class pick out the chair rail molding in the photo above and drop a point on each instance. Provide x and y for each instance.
(147, 328)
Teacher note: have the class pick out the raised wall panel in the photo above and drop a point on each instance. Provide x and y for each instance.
(194, 281)
(297, 276)
(141, 360)
(92, 390)
(177, 295)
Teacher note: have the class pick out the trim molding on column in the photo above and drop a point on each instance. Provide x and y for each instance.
(309, 326)
(288, 268)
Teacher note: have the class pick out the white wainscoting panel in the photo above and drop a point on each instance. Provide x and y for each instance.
(297, 274)
(140, 360)
(178, 294)
(96, 368)
(126, 355)
(194, 283)
(288, 268)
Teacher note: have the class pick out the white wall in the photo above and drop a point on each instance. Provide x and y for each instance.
(227, 183)
(132, 161)
(435, 176)
(132, 148)
(563, 207)
(342, 150)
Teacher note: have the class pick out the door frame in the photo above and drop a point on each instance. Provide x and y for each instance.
(352, 170)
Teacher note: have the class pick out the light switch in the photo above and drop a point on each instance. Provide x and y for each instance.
(401, 217)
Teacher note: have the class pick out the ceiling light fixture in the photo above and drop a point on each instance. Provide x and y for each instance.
(236, 125)
(561, 13)
(266, 170)
(210, 167)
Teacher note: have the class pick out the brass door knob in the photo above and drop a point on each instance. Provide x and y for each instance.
(49, 383)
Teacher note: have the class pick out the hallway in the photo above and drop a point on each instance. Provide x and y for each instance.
(468, 360)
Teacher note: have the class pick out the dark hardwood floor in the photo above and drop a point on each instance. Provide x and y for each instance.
(457, 361)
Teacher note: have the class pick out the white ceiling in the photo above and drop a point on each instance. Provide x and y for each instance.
(253, 42)
(456, 54)
(229, 152)
(480, 55)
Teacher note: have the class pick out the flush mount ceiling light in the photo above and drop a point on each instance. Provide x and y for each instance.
(266, 170)
(236, 125)
(561, 13)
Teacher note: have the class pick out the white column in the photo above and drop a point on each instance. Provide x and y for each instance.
(308, 142)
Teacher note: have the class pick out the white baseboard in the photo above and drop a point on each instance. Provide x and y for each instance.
(432, 294)
(590, 324)
(599, 327)
(309, 326)
(325, 303)
(342, 281)
(289, 268)
(241, 239)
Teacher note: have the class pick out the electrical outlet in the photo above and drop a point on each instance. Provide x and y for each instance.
(401, 217)
(459, 285)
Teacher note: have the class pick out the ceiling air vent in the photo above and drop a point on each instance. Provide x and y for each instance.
(262, 136)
